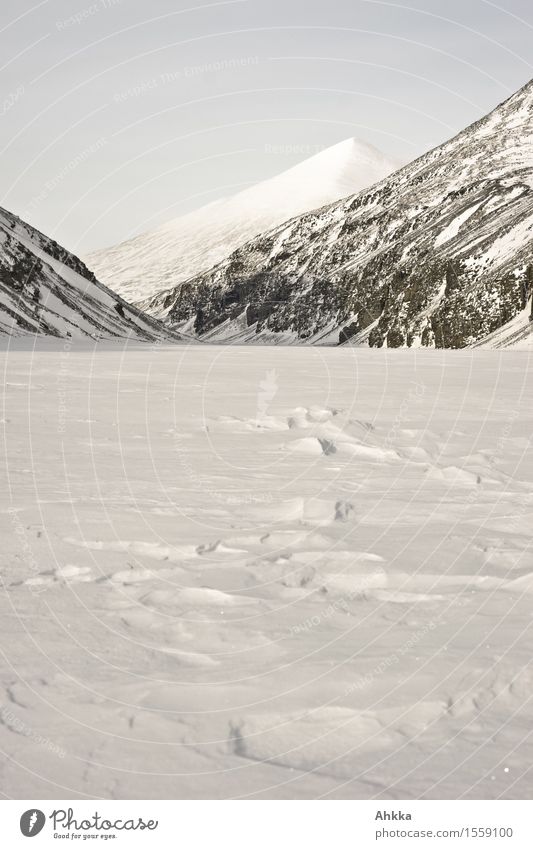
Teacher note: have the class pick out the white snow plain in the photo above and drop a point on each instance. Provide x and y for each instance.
(265, 572)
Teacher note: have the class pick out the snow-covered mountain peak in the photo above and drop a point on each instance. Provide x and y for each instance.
(340, 170)
(439, 253)
(146, 264)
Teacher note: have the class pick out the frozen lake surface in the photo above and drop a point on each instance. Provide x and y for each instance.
(266, 573)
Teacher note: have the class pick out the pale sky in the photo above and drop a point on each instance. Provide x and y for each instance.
(118, 115)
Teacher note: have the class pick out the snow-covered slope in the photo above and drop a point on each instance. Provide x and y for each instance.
(193, 243)
(517, 333)
(44, 289)
(440, 253)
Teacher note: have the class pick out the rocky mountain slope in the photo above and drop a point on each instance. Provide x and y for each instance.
(517, 333)
(438, 254)
(193, 243)
(44, 289)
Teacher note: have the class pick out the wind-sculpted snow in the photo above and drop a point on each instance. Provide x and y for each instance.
(44, 289)
(193, 243)
(439, 254)
(270, 573)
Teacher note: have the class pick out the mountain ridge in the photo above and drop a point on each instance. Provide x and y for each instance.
(152, 261)
(45, 289)
(439, 253)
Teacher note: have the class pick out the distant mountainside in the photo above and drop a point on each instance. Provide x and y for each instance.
(44, 289)
(193, 243)
(438, 254)
(517, 333)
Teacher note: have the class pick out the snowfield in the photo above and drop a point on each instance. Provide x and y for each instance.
(234, 572)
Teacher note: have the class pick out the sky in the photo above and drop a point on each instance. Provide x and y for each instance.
(119, 115)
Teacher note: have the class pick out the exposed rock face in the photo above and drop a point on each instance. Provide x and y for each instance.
(191, 244)
(44, 289)
(439, 254)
